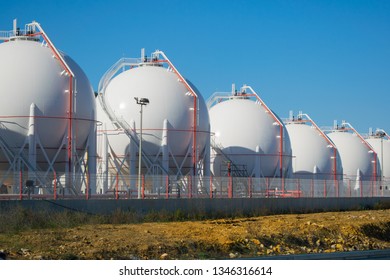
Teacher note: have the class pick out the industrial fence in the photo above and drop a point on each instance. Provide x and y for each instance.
(119, 186)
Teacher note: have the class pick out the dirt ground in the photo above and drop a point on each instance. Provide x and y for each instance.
(209, 239)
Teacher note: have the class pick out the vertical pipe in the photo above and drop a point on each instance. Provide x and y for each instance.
(92, 158)
(69, 165)
(194, 148)
(189, 186)
(230, 187)
(382, 163)
(166, 187)
(133, 159)
(257, 168)
(349, 188)
(32, 147)
(70, 132)
(143, 186)
(325, 188)
(140, 155)
(88, 187)
(206, 157)
(21, 186)
(281, 153)
(250, 186)
(335, 163)
(105, 159)
(211, 187)
(281, 158)
(117, 186)
(312, 188)
(55, 186)
(372, 188)
(375, 166)
(164, 146)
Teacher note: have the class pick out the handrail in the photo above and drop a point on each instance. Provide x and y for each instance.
(5, 35)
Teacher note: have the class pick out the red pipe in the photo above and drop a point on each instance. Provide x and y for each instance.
(70, 123)
(191, 91)
(280, 131)
(281, 155)
(194, 156)
(70, 113)
(335, 163)
(369, 148)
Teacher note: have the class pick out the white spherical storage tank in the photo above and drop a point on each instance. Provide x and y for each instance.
(313, 157)
(248, 136)
(381, 146)
(167, 120)
(357, 160)
(35, 105)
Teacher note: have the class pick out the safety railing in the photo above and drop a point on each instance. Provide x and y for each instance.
(172, 187)
(5, 35)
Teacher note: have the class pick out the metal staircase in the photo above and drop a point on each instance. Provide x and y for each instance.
(236, 170)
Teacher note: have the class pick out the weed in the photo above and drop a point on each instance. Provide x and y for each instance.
(380, 231)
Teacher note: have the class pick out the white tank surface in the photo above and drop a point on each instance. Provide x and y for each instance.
(357, 158)
(313, 154)
(35, 92)
(167, 121)
(168, 100)
(380, 142)
(248, 135)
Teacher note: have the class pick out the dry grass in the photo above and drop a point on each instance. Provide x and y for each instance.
(70, 235)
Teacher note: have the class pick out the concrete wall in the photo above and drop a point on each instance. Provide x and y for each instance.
(203, 207)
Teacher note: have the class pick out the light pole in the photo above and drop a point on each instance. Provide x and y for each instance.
(142, 102)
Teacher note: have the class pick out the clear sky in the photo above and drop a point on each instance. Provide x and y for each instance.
(329, 59)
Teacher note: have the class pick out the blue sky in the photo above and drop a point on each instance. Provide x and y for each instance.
(330, 59)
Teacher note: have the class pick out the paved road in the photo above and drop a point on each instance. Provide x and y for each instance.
(355, 255)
